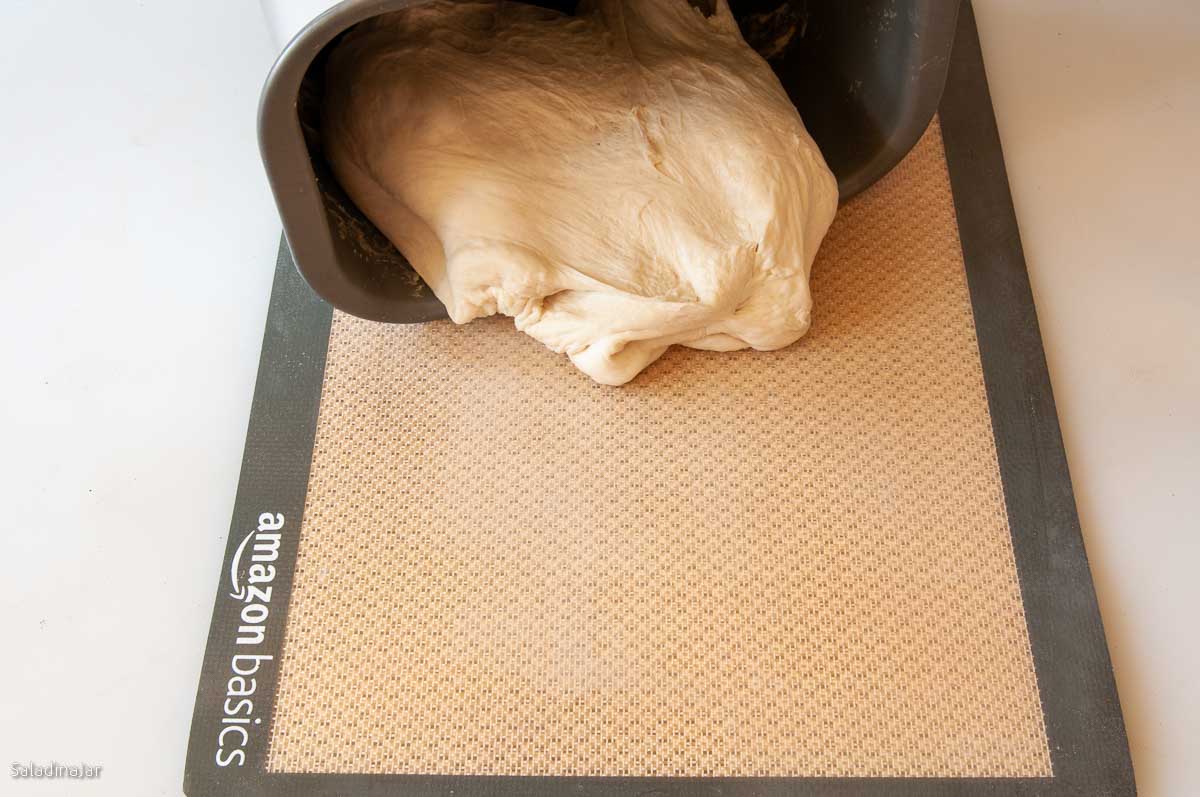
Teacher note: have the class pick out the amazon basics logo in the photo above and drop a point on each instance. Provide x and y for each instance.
(251, 575)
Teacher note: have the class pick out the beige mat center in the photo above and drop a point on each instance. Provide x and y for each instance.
(785, 563)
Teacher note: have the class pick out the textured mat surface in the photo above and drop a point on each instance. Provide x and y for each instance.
(783, 563)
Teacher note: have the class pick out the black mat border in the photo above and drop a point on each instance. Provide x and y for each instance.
(1088, 746)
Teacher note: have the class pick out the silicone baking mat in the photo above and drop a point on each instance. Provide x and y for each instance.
(459, 566)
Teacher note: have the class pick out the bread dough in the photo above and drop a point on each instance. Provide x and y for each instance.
(618, 181)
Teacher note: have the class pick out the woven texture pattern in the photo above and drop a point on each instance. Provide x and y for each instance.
(784, 563)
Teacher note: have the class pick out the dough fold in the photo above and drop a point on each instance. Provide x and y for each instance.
(618, 181)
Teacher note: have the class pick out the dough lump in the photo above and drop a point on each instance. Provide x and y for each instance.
(617, 181)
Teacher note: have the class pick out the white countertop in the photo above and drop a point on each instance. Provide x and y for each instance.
(140, 238)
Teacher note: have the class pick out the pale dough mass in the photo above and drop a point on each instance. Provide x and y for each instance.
(618, 181)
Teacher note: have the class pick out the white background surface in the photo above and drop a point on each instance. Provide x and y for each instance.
(138, 243)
